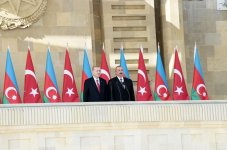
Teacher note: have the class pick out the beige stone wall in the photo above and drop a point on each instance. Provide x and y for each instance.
(183, 24)
(173, 36)
(64, 22)
(206, 26)
(130, 24)
(179, 125)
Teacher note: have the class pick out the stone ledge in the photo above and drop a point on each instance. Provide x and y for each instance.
(112, 112)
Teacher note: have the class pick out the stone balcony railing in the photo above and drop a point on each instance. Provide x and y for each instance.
(112, 112)
(175, 125)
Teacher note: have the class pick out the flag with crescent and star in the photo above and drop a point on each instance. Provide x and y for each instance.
(11, 91)
(69, 91)
(199, 91)
(105, 72)
(86, 73)
(143, 84)
(51, 92)
(123, 63)
(31, 88)
(179, 87)
(161, 91)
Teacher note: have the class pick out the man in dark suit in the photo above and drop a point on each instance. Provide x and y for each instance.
(120, 88)
(95, 88)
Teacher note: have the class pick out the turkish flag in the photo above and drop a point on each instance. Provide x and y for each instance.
(179, 87)
(31, 88)
(69, 91)
(143, 86)
(105, 73)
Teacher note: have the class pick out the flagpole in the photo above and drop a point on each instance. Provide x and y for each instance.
(49, 46)
(176, 49)
(85, 45)
(158, 47)
(141, 48)
(103, 46)
(85, 39)
(195, 47)
(67, 46)
(28, 46)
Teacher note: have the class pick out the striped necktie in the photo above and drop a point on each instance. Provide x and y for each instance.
(98, 85)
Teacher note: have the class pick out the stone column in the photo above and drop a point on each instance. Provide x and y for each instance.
(130, 24)
(173, 35)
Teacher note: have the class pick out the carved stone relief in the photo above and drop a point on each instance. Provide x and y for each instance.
(20, 13)
(221, 4)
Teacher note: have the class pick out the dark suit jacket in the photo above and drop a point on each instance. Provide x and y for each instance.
(118, 92)
(91, 93)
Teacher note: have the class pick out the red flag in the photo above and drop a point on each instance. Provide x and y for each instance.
(31, 89)
(105, 73)
(179, 87)
(69, 91)
(161, 89)
(143, 87)
(11, 91)
(199, 90)
(86, 73)
(51, 91)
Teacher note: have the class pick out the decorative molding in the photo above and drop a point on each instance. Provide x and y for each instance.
(11, 19)
(112, 112)
(221, 4)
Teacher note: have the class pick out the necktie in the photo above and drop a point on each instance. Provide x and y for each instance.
(98, 85)
(121, 80)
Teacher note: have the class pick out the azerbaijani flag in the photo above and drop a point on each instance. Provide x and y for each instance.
(51, 91)
(161, 91)
(11, 91)
(86, 73)
(199, 91)
(123, 63)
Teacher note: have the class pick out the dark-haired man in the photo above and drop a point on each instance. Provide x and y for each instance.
(121, 88)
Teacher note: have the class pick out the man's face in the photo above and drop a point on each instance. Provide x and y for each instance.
(119, 72)
(96, 72)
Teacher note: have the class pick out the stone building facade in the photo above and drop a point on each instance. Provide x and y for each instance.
(116, 23)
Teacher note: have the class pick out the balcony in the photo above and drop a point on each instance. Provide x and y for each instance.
(175, 125)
